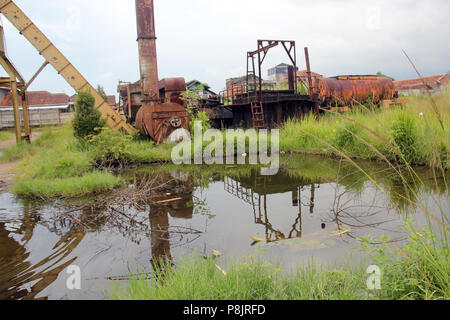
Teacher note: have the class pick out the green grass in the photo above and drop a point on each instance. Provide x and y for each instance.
(6, 135)
(254, 279)
(59, 165)
(418, 139)
(418, 271)
(85, 184)
(398, 135)
(17, 152)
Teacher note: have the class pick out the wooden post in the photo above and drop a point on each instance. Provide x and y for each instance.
(279, 114)
(26, 117)
(15, 102)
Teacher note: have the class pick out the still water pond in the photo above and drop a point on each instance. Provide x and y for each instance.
(314, 208)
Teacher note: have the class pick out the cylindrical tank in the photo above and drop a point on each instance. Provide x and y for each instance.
(159, 121)
(345, 90)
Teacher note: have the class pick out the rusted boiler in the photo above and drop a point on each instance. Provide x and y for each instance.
(160, 117)
(345, 90)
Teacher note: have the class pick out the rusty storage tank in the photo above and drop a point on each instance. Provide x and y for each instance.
(345, 90)
(160, 120)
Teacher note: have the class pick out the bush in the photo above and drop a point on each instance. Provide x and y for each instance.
(404, 133)
(111, 148)
(88, 121)
(199, 116)
(418, 270)
(348, 140)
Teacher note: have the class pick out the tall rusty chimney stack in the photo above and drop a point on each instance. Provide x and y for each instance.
(148, 62)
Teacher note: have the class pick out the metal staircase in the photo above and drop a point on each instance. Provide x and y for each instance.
(258, 115)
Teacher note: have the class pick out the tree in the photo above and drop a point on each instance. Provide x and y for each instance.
(101, 91)
(380, 74)
(88, 121)
(192, 99)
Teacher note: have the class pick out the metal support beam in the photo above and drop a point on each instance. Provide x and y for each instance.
(312, 91)
(35, 75)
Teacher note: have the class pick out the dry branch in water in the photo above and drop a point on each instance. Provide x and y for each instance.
(128, 210)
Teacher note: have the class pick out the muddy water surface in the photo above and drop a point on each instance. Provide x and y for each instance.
(314, 207)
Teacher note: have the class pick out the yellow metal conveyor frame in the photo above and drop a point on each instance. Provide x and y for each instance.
(54, 57)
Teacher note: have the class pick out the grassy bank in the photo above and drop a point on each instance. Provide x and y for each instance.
(411, 134)
(6, 135)
(418, 270)
(57, 164)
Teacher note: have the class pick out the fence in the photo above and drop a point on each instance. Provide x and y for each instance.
(38, 117)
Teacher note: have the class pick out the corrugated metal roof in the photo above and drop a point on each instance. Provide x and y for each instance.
(432, 82)
(304, 74)
(63, 107)
(38, 98)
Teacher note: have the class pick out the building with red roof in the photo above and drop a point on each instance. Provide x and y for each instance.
(416, 86)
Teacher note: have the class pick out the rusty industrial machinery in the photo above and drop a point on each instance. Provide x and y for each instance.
(259, 104)
(161, 114)
(156, 107)
(348, 90)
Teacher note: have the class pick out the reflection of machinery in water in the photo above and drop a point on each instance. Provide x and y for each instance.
(254, 191)
(22, 279)
(175, 198)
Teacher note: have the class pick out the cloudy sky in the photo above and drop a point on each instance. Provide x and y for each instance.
(208, 39)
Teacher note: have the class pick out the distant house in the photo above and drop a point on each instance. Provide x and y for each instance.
(205, 91)
(236, 86)
(279, 73)
(44, 108)
(37, 99)
(303, 76)
(416, 86)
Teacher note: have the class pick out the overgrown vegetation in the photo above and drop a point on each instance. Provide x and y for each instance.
(253, 279)
(88, 121)
(418, 271)
(59, 165)
(412, 134)
(409, 135)
(6, 135)
(192, 99)
(102, 92)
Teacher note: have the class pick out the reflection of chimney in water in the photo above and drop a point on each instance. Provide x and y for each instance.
(313, 191)
(160, 236)
(295, 198)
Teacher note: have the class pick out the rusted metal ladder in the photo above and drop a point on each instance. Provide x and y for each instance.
(258, 115)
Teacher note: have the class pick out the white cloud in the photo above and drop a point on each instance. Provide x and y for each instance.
(208, 39)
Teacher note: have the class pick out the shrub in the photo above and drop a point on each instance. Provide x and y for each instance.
(404, 133)
(348, 140)
(87, 121)
(418, 270)
(111, 148)
(199, 116)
